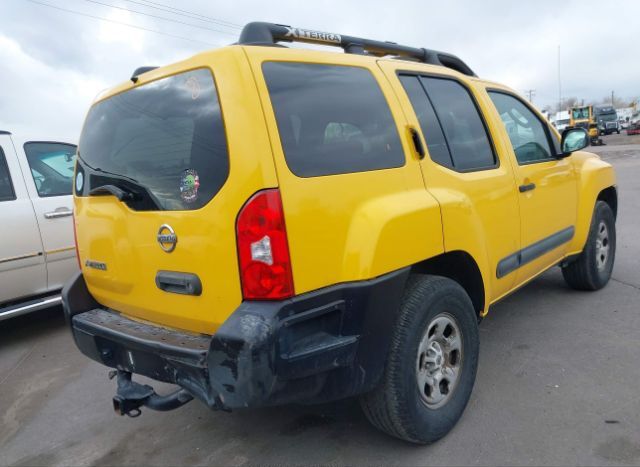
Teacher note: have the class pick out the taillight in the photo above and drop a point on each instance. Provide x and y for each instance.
(75, 239)
(263, 250)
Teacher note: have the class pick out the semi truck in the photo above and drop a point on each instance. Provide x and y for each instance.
(607, 120)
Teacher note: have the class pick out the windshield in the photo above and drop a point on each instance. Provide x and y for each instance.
(166, 137)
(580, 113)
(606, 115)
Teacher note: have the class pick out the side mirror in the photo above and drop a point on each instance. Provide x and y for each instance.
(573, 139)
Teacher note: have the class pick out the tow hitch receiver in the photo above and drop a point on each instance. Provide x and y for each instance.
(131, 396)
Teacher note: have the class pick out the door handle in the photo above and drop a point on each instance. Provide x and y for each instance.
(527, 187)
(60, 212)
(417, 142)
(183, 283)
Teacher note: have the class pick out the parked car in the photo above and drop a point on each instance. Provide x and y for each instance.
(262, 225)
(634, 125)
(37, 252)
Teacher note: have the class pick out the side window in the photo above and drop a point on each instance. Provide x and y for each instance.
(6, 187)
(51, 167)
(527, 133)
(461, 123)
(332, 119)
(431, 129)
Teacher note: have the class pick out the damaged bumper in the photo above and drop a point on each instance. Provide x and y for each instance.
(315, 347)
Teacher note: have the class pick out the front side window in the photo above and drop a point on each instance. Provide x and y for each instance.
(332, 119)
(6, 188)
(528, 135)
(51, 167)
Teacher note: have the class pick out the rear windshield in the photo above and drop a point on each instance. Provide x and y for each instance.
(163, 141)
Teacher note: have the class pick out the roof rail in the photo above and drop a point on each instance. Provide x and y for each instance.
(258, 33)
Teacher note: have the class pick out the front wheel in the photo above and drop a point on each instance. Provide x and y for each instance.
(592, 269)
(431, 365)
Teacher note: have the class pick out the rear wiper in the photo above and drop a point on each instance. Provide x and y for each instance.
(118, 186)
(114, 190)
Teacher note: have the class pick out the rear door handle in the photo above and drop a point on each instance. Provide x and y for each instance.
(60, 212)
(527, 187)
(417, 142)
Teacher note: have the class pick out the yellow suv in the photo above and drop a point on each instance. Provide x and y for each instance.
(263, 225)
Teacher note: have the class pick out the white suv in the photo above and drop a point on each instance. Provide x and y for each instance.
(37, 251)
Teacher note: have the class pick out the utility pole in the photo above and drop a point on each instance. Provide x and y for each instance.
(559, 83)
(530, 93)
(612, 100)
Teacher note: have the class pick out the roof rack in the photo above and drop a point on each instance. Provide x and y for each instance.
(258, 33)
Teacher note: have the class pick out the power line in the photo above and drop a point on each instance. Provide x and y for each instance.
(215, 20)
(100, 18)
(159, 17)
(188, 14)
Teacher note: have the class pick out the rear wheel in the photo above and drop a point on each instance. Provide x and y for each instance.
(592, 269)
(431, 365)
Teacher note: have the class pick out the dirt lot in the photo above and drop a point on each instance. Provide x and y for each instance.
(557, 384)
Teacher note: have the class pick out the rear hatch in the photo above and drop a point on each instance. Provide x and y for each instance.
(160, 178)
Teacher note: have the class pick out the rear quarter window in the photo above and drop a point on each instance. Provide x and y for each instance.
(6, 188)
(332, 119)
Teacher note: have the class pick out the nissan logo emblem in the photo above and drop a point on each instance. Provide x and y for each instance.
(167, 238)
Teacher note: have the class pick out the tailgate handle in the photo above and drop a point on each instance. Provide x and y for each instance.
(183, 283)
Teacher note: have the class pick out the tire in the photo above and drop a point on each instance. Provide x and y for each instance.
(592, 269)
(399, 405)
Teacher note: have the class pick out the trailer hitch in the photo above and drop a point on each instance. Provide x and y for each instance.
(130, 396)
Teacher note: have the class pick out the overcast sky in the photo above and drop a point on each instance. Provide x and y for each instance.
(54, 62)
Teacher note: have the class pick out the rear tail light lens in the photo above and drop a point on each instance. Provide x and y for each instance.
(263, 250)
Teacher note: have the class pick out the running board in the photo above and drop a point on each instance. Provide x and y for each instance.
(22, 308)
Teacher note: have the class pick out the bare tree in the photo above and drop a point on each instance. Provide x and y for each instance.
(567, 103)
(617, 102)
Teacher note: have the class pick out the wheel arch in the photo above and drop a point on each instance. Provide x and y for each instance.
(596, 181)
(610, 196)
(461, 267)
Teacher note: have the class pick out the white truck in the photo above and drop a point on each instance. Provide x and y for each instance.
(561, 120)
(37, 248)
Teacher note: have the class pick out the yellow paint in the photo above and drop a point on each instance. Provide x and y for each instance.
(342, 227)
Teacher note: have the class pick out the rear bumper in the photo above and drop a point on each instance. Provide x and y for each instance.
(315, 347)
